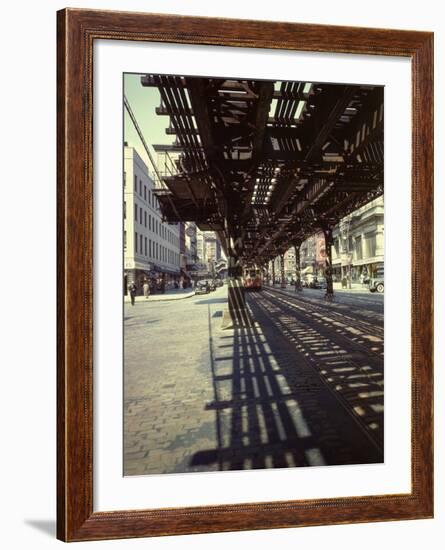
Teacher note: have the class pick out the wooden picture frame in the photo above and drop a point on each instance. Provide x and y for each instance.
(77, 31)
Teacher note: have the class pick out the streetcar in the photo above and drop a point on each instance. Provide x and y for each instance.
(252, 279)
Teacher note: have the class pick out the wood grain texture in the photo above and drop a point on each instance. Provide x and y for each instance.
(77, 30)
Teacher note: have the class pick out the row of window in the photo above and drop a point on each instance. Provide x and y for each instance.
(141, 217)
(143, 191)
(152, 249)
(355, 245)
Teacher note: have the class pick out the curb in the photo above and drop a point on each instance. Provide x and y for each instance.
(171, 299)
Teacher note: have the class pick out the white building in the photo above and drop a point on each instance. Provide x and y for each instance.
(151, 247)
(358, 247)
(359, 242)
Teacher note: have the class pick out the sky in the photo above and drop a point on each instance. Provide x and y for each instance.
(143, 102)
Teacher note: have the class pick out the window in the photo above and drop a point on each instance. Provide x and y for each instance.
(149, 197)
(370, 244)
(145, 245)
(136, 183)
(135, 212)
(140, 216)
(337, 247)
(125, 178)
(140, 243)
(125, 240)
(145, 218)
(149, 247)
(145, 192)
(140, 188)
(157, 251)
(149, 222)
(125, 210)
(135, 242)
(358, 248)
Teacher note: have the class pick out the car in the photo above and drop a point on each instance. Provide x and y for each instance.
(212, 284)
(321, 282)
(219, 282)
(315, 283)
(202, 287)
(377, 281)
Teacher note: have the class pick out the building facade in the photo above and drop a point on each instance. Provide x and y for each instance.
(190, 245)
(313, 255)
(151, 246)
(200, 246)
(359, 243)
(357, 251)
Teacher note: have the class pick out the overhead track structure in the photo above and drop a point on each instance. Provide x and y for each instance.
(266, 164)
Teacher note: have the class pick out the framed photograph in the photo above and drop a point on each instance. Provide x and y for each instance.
(245, 231)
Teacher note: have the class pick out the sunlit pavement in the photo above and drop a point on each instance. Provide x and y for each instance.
(304, 387)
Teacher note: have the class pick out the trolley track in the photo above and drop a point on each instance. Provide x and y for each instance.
(347, 365)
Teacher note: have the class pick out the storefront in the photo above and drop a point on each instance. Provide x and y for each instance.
(159, 278)
(138, 277)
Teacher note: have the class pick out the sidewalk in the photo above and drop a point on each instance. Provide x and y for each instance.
(173, 294)
(356, 288)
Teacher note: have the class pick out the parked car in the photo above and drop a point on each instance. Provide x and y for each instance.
(321, 282)
(377, 281)
(315, 282)
(202, 287)
(212, 284)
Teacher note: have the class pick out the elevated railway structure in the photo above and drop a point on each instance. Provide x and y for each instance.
(266, 164)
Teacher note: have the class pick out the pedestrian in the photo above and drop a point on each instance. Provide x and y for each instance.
(132, 290)
(146, 289)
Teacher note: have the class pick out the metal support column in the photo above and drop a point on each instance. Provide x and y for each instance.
(237, 301)
(237, 314)
(298, 285)
(273, 272)
(283, 278)
(327, 232)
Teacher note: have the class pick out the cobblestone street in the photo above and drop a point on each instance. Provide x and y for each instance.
(304, 387)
